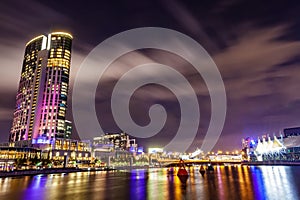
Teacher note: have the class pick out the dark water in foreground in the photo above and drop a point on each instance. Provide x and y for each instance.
(234, 182)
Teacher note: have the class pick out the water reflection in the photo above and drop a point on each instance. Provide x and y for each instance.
(231, 182)
(277, 182)
(138, 184)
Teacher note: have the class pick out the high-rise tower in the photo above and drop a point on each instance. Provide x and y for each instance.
(41, 100)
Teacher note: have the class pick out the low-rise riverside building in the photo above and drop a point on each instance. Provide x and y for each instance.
(285, 147)
(60, 152)
(10, 155)
(115, 148)
(62, 149)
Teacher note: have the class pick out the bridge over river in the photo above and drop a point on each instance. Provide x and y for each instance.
(172, 162)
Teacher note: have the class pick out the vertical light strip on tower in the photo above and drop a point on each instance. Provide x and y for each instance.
(49, 41)
(44, 43)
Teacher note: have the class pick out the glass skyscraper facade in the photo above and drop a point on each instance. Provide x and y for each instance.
(41, 100)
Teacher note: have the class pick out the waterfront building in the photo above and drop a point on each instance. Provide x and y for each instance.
(292, 144)
(10, 155)
(39, 120)
(115, 141)
(283, 148)
(115, 146)
(41, 100)
(62, 149)
(291, 131)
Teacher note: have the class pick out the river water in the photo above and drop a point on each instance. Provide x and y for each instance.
(232, 182)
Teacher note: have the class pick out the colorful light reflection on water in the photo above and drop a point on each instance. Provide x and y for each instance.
(232, 182)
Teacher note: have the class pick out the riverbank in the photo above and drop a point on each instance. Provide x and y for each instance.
(33, 172)
(275, 162)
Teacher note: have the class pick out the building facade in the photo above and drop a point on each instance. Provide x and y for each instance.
(115, 146)
(291, 131)
(283, 148)
(72, 150)
(115, 141)
(41, 100)
(68, 129)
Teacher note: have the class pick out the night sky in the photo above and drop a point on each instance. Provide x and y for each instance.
(255, 45)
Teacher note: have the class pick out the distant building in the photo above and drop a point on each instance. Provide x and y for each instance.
(284, 148)
(115, 141)
(291, 131)
(41, 100)
(120, 141)
(114, 145)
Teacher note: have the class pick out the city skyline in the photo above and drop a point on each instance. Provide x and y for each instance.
(256, 53)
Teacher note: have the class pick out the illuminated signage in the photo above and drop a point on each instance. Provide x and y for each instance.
(132, 149)
(41, 140)
(140, 150)
(155, 150)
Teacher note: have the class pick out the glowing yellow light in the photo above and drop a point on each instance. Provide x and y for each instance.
(38, 37)
(62, 33)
